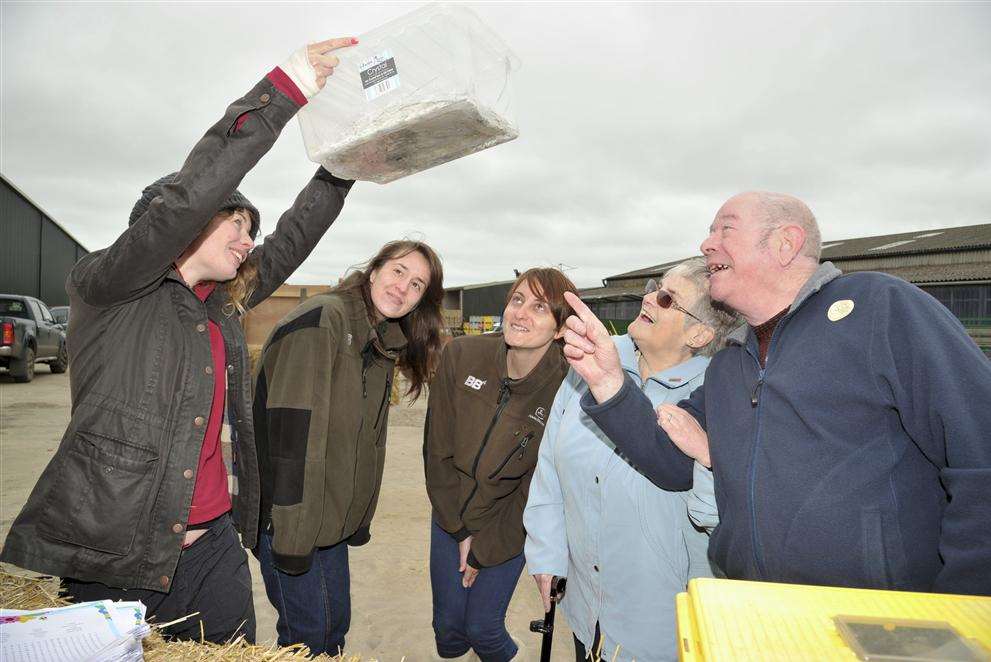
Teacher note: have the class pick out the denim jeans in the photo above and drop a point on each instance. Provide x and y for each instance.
(471, 618)
(314, 607)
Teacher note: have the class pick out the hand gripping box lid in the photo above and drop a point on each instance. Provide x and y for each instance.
(424, 89)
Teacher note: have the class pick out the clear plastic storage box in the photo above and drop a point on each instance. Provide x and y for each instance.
(424, 89)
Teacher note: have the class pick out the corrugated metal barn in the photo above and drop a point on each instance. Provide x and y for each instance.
(952, 264)
(36, 253)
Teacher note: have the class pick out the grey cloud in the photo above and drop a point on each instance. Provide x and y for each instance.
(637, 121)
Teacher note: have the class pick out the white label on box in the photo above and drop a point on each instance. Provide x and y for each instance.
(379, 75)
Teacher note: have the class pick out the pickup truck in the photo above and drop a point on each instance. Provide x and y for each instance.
(28, 335)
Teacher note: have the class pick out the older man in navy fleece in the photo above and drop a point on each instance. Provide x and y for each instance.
(849, 423)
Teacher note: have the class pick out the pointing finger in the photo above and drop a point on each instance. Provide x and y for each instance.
(594, 327)
(333, 44)
(578, 306)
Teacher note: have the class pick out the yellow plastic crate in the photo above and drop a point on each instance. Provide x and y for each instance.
(722, 620)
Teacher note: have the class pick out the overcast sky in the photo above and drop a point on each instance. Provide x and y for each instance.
(636, 122)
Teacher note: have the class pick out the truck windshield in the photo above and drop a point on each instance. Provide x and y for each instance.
(61, 314)
(14, 308)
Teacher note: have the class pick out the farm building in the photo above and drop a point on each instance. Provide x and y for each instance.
(951, 264)
(36, 253)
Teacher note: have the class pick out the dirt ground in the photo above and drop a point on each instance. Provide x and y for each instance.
(390, 585)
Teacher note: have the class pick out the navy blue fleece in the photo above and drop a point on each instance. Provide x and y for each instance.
(866, 460)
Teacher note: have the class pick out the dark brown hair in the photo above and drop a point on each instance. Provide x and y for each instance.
(550, 285)
(423, 324)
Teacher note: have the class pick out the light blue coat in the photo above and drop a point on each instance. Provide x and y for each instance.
(625, 545)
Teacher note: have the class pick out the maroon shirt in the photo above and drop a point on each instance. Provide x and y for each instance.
(211, 497)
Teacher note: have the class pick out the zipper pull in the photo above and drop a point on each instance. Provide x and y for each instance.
(754, 396)
(364, 390)
(523, 442)
(504, 390)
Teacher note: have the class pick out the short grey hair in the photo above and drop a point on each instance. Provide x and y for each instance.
(780, 209)
(713, 314)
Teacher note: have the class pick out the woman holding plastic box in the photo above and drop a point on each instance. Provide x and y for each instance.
(485, 418)
(138, 502)
(626, 546)
(321, 410)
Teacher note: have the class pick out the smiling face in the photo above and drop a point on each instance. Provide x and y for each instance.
(663, 330)
(528, 322)
(219, 250)
(737, 254)
(398, 285)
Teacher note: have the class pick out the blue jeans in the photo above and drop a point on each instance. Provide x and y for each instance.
(471, 618)
(314, 607)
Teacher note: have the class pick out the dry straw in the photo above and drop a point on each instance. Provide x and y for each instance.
(29, 593)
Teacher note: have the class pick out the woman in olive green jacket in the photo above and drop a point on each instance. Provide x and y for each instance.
(321, 408)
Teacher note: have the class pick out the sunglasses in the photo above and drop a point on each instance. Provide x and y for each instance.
(665, 300)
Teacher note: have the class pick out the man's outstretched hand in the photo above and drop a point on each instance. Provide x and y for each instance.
(591, 351)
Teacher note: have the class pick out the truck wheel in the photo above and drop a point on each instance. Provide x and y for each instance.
(61, 362)
(23, 371)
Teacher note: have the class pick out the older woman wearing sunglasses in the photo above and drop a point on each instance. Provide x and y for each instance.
(626, 546)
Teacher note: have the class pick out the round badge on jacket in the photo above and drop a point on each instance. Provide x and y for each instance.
(839, 310)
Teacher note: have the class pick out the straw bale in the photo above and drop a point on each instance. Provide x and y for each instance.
(19, 591)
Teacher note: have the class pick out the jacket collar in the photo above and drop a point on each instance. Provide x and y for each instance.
(550, 366)
(824, 273)
(673, 377)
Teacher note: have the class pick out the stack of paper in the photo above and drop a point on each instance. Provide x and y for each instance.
(721, 620)
(102, 630)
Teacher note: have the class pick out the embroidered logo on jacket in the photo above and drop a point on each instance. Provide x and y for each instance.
(475, 382)
(539, 415)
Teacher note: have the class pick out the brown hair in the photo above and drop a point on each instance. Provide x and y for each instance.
(423, 324)
(550, 285)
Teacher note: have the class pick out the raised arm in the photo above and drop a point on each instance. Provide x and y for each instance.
(618, 407)
(141, 257)
(297, 233)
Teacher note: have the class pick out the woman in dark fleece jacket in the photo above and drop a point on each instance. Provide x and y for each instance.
(138, 502)
(485, 418)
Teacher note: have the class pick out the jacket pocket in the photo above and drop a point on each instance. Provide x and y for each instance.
(99, 494)
(518, 463)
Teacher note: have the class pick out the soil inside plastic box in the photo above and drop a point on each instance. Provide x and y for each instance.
(408, 138)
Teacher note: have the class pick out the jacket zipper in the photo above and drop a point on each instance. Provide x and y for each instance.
(357, 447)
(521, 447)
(385, 399)
(504, 394)
(755, 402)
